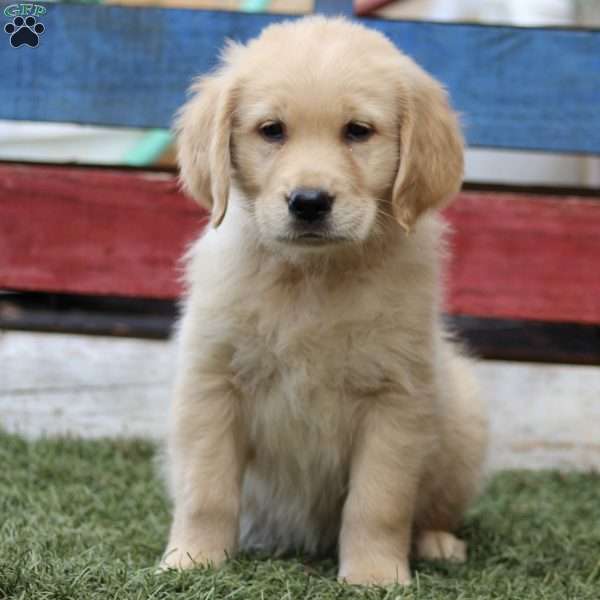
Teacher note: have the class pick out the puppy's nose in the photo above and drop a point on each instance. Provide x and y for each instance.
(310, 204)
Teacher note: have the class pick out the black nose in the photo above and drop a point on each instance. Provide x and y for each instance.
(310, 204)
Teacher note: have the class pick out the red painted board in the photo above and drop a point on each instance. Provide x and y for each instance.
(119, 232)
(93, 231)
(525, 257)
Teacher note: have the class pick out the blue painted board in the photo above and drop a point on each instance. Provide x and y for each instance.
(334, 7)
(516, 88)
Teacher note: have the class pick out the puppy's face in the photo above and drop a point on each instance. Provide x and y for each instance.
(329, 133)
(315, 150)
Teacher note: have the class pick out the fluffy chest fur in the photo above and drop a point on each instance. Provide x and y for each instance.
(300, 362)
(308, 352)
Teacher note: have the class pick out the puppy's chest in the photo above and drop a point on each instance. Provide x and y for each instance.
(302, 378)
(297, 411)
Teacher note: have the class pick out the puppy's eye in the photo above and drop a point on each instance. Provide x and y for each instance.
(273, 131)
(357, 132)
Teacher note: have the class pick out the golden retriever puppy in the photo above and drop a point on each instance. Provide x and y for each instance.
(318, 403)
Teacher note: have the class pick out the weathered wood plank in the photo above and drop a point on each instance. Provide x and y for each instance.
(541, 415)
(109, 315)
(111, 65)
(519, 256)
(93, 230)
(534, 341)
(502, 339)
(58, 384)
(121, 232)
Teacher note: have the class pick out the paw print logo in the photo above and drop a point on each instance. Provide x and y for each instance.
(24, 31)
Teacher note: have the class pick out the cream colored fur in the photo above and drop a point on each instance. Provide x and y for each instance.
(318, 401)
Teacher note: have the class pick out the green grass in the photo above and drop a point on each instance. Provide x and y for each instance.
(88, 520)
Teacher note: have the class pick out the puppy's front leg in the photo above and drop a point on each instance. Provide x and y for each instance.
(377, 518)
(206, 451)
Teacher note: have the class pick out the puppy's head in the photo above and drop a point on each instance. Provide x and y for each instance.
(329, 133)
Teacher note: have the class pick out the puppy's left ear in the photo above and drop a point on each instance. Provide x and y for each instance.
(431, 149)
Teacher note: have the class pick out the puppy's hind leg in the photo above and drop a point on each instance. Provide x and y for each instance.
(453, 478)
(440, 545)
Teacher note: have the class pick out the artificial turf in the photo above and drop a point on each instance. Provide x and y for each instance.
(88, 520)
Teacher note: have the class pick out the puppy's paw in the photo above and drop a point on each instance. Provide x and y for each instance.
(441, 545)
(181, 559)
(381, 573)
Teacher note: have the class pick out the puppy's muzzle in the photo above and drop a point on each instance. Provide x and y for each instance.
(310, 205)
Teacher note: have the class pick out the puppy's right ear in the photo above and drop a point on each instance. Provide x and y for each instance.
(203, 129)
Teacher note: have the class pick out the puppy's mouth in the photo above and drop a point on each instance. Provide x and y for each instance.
(311, 238)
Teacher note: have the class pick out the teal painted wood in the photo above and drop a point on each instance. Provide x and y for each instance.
(516, 88)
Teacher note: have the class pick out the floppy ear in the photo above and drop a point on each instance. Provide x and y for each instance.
(431, 150)
(203, 129)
